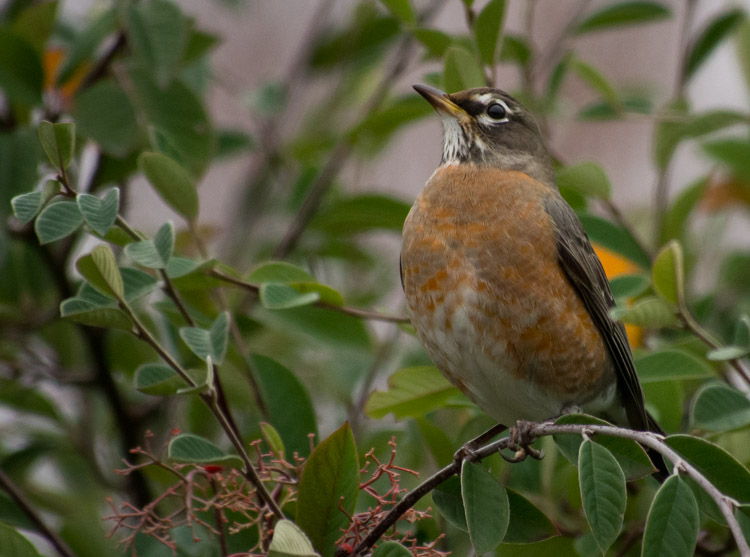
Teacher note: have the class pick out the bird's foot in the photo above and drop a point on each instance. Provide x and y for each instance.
(468, 450)
(520, 440)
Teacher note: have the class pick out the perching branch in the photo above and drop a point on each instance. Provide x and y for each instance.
(534, 431)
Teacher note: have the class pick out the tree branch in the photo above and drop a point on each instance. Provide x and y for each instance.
(537, 430)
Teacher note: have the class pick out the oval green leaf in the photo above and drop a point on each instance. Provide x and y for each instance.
(191, 448)
(587, 178)
(718, 407)
(13, 543)
(275, 295)
(448, 501)
(100, 269)
(486, 506)
(212, 342)
(461, 70)
(289, 541)
(57, 220)
(329, 480)
(391, 549)
(648, 312)
(603, 493)
(623, 13)
(171, 182)
(488, 27)
(100, 214)
(672, 522)
(527, 523)
(668, 273)
(721, 468)
(671, 364)
(412, 392)
(58, 142)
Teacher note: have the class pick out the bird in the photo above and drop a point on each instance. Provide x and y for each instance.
(502, 285)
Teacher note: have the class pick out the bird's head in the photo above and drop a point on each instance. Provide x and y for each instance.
(487, 126)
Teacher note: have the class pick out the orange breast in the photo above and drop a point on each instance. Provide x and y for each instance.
(487, 296)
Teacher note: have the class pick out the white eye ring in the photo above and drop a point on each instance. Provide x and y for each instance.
(488, 120)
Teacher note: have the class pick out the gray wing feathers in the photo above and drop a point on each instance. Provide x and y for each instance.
(584, 271)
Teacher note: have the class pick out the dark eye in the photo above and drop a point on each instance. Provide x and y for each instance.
(496, 111)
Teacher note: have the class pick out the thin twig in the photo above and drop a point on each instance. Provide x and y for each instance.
(620, 219)
(347, 310)
(534, 431)
(25, 505)
(210, 399)
(343, 148)
(692, 326)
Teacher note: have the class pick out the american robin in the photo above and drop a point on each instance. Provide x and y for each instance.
(503, 287)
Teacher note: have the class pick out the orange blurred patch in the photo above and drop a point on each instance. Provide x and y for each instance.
(53, 58)
(616, 265)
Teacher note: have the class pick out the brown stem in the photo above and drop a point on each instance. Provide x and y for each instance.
(25, 505)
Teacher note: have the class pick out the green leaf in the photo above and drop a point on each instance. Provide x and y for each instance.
(515, 49)
(326, 294)
(289, 541)
(461, 70)
(85, 312)
(587, 178)
(668, 274)
(35, 24)
(153, 253)
(725, 353)
(743, 49)
(57, 220)
(362, 213)
(648, 312)
(281, 390)
(100, 214)
(631, 457)
(401, 10)
(603, 494)
(276, 295)
(721, 468)
(675, 221)
(448, 501)
(157, 34)
(711, 36)
(279, 271)
(157, 380)
(233, 142)
(718, 407)
(58, 142)
(672, 522)
(12, 542)
(191, 448)
(741, 336)
(527, 523)
(743, 517)
(27, 205)
(330, 480)
(486, 506)
(21, 74)
(136, 283)
(180, 120)
(732, 153)
(27, 400)
(615, 238)
(596, 80)
(488, 27)
(104, 113)
(273, 439)
(437, 441)
(100, 269)
(671, 364)
(212, 342)
(625, 287)
(622, 13)
(391, 549)
(171, 182)
(180, 266)
(412, 392)
(436, 42)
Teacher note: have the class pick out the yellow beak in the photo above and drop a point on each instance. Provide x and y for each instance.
(440, 101)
